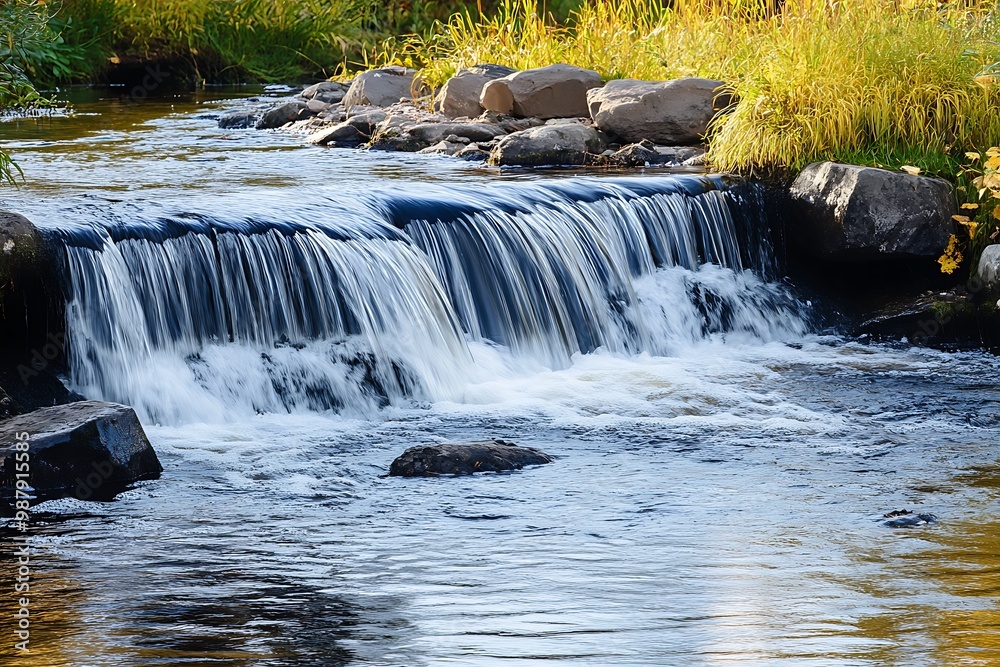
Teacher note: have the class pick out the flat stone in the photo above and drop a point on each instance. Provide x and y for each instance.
(465, 459)
(88, 450)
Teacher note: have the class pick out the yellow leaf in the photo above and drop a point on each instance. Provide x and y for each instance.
(992, 163)
(911, 170)
(985, 81)
(952, 256)
(970, 206)
(960, 218)
(996, 213)
(973, 156)
(991, 181)
(993, 152)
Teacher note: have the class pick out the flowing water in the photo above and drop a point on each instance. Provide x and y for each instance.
(287, 319)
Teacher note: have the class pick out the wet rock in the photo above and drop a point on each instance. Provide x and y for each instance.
(951, 319)
(674, 112)
(460, 95)
(465, 459)
(442, 148)
(238, 120)
(343, 134)
(382, 87)
(862, 214)
(570, 144)
(88, 450)
(907, 519)
(31, 294)
(474, 153)
(989, 268)
(411, 137)
(556, 91)
(282, 115)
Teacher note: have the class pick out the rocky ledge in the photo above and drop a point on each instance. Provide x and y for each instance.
(558, 115)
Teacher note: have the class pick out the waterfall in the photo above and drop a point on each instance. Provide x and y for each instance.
(351, 308)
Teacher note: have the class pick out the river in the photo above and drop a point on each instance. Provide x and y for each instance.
(722, 467)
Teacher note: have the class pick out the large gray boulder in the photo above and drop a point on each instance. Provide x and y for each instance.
(460, 95)
(465, 459)
(674, 112)
(861, 214)
(556, 91)
(989, 267)
(382, 87)
(566, 144)
(89, 450)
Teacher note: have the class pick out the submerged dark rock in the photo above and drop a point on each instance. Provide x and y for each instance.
(465, 459)
(88, 450)
(907, 519)
(238, 120)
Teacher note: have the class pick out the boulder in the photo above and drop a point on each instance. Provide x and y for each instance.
(89, 450)
(381, 87)
(862, 214)
(329, 92)
(238, 120)
(283, 114)
(343, 134)
(989, 268)
(570, 144)
(414, 136)
(460, 95)
(674, 112)
(556, 91)
(465, 459)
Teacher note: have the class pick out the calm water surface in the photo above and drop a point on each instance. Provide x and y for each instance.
(722, 505)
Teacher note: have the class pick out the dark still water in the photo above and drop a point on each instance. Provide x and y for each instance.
(288, 319)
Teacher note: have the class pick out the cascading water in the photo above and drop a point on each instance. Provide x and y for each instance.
(350, 308)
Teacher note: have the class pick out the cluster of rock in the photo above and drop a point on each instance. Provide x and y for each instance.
(555, 115)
